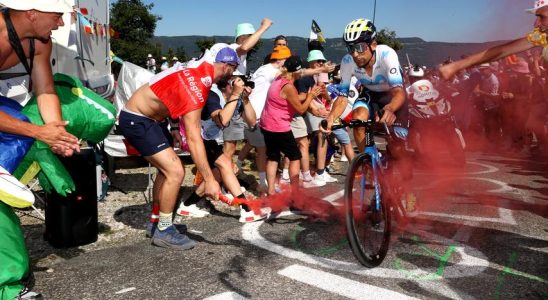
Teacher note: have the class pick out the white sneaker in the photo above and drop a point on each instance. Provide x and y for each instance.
(250, 216)
(191, 211)
(325, 177)
(343, 158)
(306, 177)
(313, 183)
(284, 180)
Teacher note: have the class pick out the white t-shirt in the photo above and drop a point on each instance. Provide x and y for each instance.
(242, 68)
(263, 78)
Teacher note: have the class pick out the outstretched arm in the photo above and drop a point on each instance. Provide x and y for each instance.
(494, 53)
(254, 38)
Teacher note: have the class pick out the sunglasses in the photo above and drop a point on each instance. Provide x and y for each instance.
(360, 48)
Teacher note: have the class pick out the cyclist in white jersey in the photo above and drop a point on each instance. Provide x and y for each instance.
(378, 70)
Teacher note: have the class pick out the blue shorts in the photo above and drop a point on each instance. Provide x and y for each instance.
(342, 136)
(145, 134)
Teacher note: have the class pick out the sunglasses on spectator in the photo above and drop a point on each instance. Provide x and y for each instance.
(360, 48)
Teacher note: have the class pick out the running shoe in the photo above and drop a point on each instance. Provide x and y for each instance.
(171, 238)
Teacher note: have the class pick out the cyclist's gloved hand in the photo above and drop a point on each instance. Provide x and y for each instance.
(401, 132)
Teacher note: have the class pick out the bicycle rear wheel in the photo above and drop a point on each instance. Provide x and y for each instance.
(368, 228)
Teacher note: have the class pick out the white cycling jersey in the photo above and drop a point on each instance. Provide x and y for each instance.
(387, 72)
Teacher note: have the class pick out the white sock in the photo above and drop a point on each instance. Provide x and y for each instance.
(165, 221)
(306, 175)
(285, 173)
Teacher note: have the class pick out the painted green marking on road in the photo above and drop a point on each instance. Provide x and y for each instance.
(508, 270)
(320, 252)
(428, 252)
(500, 280)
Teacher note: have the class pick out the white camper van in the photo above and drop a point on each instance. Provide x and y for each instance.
(82, 54)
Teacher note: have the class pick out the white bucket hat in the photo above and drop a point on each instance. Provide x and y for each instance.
(538, 4)
(58, 6)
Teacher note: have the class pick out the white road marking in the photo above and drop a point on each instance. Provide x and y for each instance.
(334, 197)
(472, 261)
(339, 285)
(227, 296)
(123, 291)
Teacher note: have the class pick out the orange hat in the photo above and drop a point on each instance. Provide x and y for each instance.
(280, 52)
(511, 59)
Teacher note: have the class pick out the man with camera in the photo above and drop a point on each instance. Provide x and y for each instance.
(226, 99)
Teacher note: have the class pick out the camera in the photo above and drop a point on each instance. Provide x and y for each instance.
(247, 81)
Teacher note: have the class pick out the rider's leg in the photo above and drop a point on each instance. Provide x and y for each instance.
(360, 113)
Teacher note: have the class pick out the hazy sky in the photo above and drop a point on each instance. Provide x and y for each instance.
(441, 20)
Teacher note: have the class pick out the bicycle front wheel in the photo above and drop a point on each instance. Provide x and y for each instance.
(368, 227)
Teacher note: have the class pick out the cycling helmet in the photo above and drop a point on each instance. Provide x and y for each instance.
(416, 72)
(360, 31)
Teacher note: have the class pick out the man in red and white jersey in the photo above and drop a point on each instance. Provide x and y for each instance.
(176, 92)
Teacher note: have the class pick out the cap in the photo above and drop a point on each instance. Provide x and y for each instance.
(164, 58)
(227, 55)
(293, 64)
(174, 58)
(243, 29)
(484, 66)
(538, 4)
(280, 52)
(149, 55)
(315, 55)
(58, 6)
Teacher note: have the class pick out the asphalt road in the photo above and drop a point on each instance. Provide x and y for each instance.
(482, 233)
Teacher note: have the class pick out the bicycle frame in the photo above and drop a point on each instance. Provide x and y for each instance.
(375, 156)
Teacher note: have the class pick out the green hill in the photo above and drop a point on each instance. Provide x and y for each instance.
(419, 51)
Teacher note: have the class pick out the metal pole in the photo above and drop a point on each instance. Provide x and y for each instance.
(374, 11)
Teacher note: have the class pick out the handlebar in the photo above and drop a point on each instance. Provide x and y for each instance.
(361, 123)
(351, 124)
